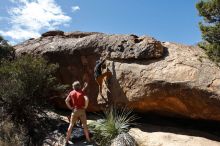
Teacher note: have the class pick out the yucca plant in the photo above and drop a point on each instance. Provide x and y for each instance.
(114, 122)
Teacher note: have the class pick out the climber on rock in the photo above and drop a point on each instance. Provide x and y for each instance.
(99, 76)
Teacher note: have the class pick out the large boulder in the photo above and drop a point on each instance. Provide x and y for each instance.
(147, 75)
(184, 82)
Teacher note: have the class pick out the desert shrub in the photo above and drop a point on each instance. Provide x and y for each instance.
(26, 82)
(114, 122)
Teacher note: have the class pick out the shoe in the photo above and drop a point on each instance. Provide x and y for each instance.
(69, 143)
(88, 143)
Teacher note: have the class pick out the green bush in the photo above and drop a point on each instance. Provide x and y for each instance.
(115, 122)
(26, 82)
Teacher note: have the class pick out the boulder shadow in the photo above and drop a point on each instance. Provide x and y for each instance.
(115, 89)
(153, 122)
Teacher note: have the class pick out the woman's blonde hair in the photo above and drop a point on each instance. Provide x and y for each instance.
(76, 85)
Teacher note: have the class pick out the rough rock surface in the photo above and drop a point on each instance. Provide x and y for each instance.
(144, 138)
(167, 78)
(53, 33)
(124, 139)
(183, 82)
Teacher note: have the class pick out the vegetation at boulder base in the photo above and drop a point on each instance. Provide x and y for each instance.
(114, 122)
(210, 27)
(26, 82)
(11, 134)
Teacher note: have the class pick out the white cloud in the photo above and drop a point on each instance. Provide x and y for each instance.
(30, 17)
(75, 8)
(20, 34)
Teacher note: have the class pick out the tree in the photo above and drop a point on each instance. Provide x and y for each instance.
(210, 27)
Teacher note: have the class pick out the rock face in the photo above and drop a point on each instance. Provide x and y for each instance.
(183, 82)
(147, 75)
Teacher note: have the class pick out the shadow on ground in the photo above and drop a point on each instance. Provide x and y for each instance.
(201, 128)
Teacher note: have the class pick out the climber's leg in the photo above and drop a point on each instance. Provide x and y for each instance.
(106, 76)
(99, 80)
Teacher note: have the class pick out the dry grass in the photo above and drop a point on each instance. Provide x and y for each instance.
(11, 135)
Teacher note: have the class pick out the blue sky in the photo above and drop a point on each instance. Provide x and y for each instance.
(165, 20)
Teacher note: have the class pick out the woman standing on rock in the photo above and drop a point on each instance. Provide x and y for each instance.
(80, 102)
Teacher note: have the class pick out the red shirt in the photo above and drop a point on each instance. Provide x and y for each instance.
(77, 99)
